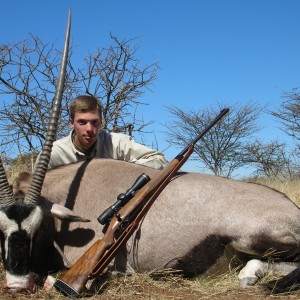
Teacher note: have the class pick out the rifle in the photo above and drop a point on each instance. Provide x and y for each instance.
(124, 221)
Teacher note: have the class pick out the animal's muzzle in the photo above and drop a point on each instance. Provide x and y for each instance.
(20, 284)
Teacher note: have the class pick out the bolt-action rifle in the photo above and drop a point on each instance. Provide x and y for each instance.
(121, 220)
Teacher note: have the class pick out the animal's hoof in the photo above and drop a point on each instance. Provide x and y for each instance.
(248, 281)
(251, 273)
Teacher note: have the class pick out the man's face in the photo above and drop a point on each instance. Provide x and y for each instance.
(86, 126)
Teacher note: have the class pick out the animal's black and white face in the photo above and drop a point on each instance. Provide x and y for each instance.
(18, 224)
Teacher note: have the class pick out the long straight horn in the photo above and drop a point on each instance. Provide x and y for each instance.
(6, 193)
(41, 169)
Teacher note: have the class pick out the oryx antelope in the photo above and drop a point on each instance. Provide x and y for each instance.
(188, 228)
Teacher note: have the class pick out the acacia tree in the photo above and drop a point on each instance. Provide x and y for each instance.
(222, 148)
(270, 159)
(28, 77)
(289, 115)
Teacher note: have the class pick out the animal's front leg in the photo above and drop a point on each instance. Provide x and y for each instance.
(256, 269)
(49, 282)
(252, 272)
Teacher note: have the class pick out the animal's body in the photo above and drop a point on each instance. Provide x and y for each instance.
(188, 226)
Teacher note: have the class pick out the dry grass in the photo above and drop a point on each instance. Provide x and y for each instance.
(22, 164)
(291, 188)
(143, 286)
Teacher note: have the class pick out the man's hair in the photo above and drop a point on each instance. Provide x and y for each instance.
(84, 104)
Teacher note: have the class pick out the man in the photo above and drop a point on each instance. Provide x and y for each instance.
(86, 140)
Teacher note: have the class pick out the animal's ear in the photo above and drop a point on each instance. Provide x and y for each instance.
(59, 211)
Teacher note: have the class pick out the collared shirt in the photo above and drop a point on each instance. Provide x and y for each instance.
(109, 145)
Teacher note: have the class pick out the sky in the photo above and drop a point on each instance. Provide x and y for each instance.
(233, 51)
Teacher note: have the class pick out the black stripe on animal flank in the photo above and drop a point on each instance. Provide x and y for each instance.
(18, 211)
(203, 256)
(70, 202)
(275, 249)
(75, 185)
(17, 262)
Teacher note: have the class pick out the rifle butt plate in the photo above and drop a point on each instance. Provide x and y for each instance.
(66, 289)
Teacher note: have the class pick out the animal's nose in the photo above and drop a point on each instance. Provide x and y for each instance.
(21, 290)
(15, 285)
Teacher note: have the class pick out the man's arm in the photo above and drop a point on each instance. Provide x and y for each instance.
(126, 148)
(123, 147)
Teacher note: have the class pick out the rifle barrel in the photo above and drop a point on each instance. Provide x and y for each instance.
(206, 129)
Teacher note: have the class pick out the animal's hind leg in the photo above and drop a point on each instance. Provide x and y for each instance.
(203, 257)
(256, 269)
(287, 283)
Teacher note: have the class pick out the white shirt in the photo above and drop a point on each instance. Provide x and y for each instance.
(109, 145)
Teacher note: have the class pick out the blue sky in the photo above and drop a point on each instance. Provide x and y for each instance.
(214, 50)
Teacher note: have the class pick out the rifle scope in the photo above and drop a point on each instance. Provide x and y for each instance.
(123, 198)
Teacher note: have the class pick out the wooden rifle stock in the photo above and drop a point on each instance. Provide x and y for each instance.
(94, 261)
